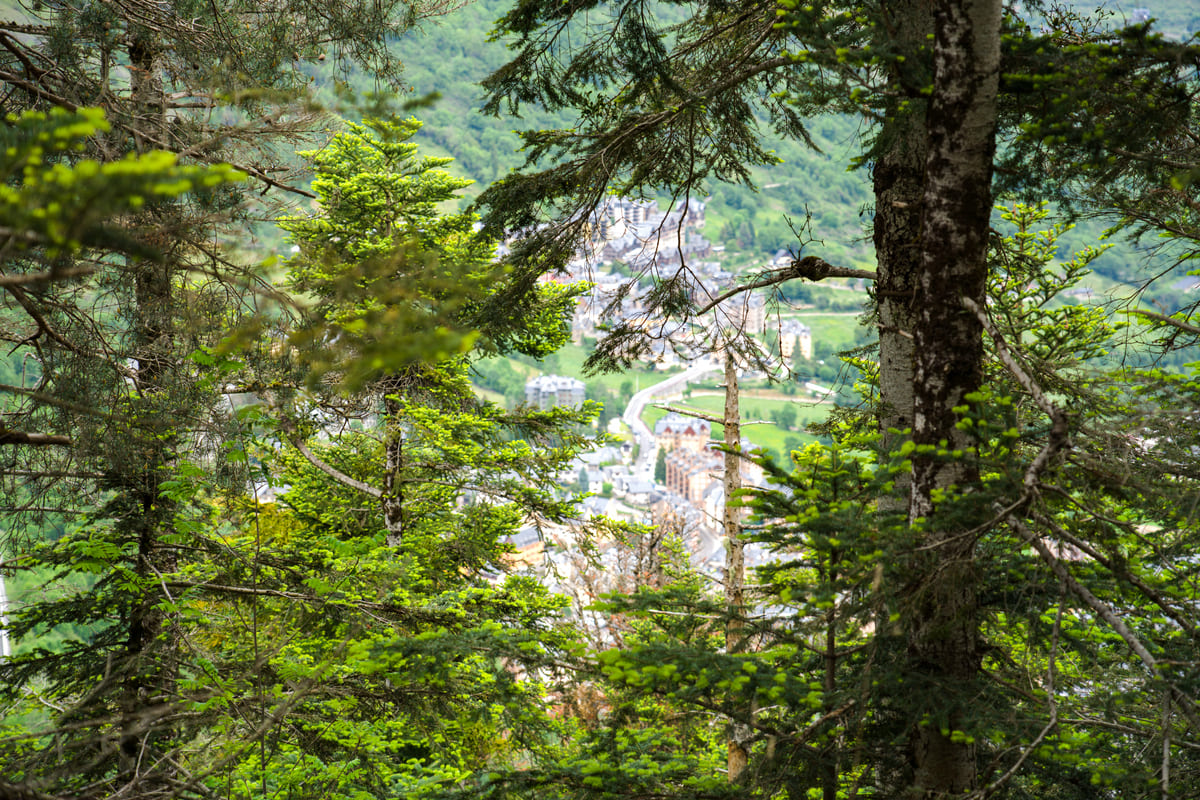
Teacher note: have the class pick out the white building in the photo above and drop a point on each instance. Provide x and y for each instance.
(792, 334)
(548, 391)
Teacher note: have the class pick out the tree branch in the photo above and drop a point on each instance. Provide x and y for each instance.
(1115, 568)
(24, 27)
(810, 268)
(1058, 439)
(1059, 425)
(1177, 323)
(255, 172)
(10, 791)
(8, 437)
(407, 612)
(52, 473)
(1126, 729)
(36, 278)
(332, 472)
(1105, 613)
(1000, 782)
(19, 295)
(691, 412)
(58, 402)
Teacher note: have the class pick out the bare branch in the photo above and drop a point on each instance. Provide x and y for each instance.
(24, 27)
(9, 791)
(8, 437)
(51, 473)
(23, 299)
(332, 472)
(254, 172)
(48, 399)
(810, 268)
(690, 412)
(37, 278)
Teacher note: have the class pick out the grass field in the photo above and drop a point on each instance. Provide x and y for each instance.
(768, 435)
(839, 330)
(489, 395)
(569, 361)
(760, 406)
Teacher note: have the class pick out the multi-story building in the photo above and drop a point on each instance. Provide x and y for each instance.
(747, 312)
(548, 391)
(795, 334)
(689, 472)
(675, 431)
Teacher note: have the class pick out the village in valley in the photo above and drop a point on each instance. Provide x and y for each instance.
(663, 467)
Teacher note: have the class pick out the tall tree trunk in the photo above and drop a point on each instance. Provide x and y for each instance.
(830, 771)
(899, 181)
(735, 565)
(899, 184)
(151, 646)
(392, 501)
(941, 622)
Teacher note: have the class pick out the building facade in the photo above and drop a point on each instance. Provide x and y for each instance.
(548, 391)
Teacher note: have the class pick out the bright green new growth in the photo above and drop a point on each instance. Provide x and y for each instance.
(52, 199)
(822, 668)
(386, 554)
(394, 281)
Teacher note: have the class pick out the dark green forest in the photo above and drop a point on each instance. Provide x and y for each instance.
(273, 277)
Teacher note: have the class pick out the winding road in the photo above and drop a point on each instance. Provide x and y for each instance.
(647, 444)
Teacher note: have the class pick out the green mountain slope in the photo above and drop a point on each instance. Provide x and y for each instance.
(451, 55)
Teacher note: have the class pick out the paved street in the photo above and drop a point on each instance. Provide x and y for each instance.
(647, 445)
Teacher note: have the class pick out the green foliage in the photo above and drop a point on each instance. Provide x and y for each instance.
(391, 278)
(393, 674)
(819, 685)
(415, 650)
(394, 282)
(57, 206)
(360, 636)
(343, 642)
(170, 680)
(59, 203)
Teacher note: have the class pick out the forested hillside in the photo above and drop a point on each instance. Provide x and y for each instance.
(450, 56)
(263, 536)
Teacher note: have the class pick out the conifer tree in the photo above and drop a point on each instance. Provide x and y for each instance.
(387, 423)
(117, 403)
(939, 87)
(379, 580)
(395, 287)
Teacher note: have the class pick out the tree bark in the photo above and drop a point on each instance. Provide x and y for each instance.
(735, 565)
(392, 500)
(899, 180)
(152, 639)
(941, 621)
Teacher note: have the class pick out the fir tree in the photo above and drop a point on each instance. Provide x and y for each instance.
(671, 107)
(118, 404)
